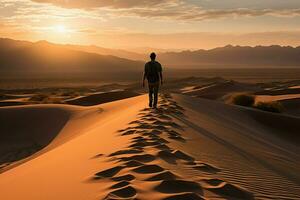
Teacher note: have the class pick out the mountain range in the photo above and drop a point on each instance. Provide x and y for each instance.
(221, 57)
(28, 58)
(23, 57)
(236, 57)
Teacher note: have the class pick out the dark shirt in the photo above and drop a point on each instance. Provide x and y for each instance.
(152, 70)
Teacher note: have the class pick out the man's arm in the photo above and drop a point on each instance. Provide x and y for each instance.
(145, 75)
(160, 75)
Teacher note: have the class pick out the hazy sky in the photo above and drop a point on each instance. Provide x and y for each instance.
(168, 24)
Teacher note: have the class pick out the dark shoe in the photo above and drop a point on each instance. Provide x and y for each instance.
(150, 105)
(154, 106)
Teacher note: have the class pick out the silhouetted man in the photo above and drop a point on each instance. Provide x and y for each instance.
(153, 73)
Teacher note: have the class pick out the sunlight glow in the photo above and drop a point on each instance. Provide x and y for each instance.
(60, 29)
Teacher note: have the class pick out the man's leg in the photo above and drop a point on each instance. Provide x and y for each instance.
(150, 94)
(155, 91)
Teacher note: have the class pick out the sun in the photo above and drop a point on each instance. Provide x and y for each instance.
(60, 29)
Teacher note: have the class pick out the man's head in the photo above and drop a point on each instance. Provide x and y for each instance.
(152, 56)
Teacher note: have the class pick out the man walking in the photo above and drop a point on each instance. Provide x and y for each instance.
(153, 73)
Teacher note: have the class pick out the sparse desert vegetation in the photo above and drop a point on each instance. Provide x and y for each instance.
(45, 98)
(248, 100)
(38, 97)
(243, 100)
(271, 106)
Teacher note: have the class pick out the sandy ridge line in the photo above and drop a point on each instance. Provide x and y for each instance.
(141, 161)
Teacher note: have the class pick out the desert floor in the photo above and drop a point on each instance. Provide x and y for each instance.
(188, 148)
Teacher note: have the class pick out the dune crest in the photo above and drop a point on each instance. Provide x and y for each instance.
(146, 160)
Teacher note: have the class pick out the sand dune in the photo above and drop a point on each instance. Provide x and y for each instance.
(219, 89)
(292, 106)
(28, 129)
(276, 97)
(11, 103)
(253, 142)
(280, 91)
(21, 134)
(189, 148)
(286, 93)
(99, 98)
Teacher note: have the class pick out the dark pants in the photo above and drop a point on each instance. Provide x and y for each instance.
(153, 93)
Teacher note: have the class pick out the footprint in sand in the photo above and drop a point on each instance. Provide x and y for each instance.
(155, 132)
(120, 185)
(148, 169)
(143, 126)
(175, 136)
(126, 177)
(129, 132)
(165, 175)
(162, 147)
(213, 181)
(136, 122)
(126, 151)
(133, 163)
(183, 156)
(147, 115)
(206, 168)
(141, 158)
(185, 196)
(123, 193)
(144, 144)
(108, 172)
(178, 138)
(158, 139)
(178, 186)
(227, 190)
(98, 155)
(165, 117)
(175, 154)
(167, 156)
(146, 118)
(143, 139)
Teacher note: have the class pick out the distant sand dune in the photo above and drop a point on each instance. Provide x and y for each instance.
(96, 99)
(292, 106)
(11, 103)
(219, 89)
(276, 97)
